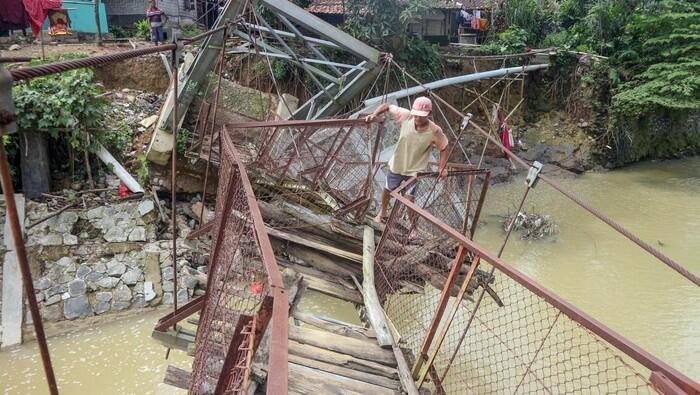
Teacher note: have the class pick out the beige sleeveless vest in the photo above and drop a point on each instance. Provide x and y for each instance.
(412, 150)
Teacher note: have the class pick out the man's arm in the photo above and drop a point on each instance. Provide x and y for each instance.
(398, 114)
(441, 143)
(377, 112)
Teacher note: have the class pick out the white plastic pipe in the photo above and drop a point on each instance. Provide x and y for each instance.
(118, 169)
(452, 81)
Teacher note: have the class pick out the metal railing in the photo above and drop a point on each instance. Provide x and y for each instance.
(471, 323)
(244, 292)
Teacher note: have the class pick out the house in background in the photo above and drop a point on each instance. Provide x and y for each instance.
(78, 16)
(331, 11)
(438, 25)
(126, 12)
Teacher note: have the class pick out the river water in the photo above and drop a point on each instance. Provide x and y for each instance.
(587, 263)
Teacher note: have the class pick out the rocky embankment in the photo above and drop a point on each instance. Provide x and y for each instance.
(108, 258)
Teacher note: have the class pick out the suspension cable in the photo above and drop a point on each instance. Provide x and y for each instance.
(619, 228)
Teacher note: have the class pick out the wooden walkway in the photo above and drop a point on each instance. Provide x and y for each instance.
(326, 356)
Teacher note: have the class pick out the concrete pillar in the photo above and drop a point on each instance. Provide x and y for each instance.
(12, 301)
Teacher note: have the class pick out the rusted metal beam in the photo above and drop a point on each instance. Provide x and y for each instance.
(289, 123)
(173, 175)
(18, 240)
(446, 325)
(231, 354)
(180, 314)
(277, 379)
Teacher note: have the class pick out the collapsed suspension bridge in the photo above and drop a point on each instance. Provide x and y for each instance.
(446, 315)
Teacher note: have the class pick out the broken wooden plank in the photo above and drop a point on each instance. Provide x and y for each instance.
(333, 289)
(346, 372)
(375, 312)
(293, 284)
(407, 383)
(314, 244)
(340, 359)
(178, 378)
(304, 380)
(179, 339)
(333, 326)
(324, 262)
(364, 349)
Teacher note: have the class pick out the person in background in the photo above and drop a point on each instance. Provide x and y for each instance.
(156, 20)
(417, 137)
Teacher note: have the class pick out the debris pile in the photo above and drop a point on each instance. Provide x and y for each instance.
(134, 107)
(532, 226)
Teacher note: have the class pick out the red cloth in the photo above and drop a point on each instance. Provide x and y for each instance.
(37, 11)
(12, 12)
(506, 138)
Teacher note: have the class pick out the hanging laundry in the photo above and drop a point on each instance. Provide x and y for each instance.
(475, 23)
(464, 17)
(37, 11)
(483, 24)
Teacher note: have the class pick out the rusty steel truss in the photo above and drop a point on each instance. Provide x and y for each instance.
(333, 158)
(472, 323)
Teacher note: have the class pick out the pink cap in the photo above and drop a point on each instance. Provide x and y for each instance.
(422, 107)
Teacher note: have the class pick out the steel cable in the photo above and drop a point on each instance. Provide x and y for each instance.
(619, 228)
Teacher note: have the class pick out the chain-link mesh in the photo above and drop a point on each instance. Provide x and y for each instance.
(238, 284)
(325, 164)
(515, 342)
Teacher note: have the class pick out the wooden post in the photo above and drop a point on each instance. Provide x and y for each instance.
(12, 307)
(34, 163)
(98, 37)
(41, 41)
(375, 313)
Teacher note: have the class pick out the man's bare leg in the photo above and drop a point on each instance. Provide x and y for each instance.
(386, 195)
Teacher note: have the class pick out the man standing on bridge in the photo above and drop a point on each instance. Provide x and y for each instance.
(412, 152)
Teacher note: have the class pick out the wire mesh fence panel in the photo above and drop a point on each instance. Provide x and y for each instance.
(238, 283)
(325, 164)
(414, 258)
(496, 335)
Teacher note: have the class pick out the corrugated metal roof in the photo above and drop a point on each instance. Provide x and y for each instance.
(337, 7)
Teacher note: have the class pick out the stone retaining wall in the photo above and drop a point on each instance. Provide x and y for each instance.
(104, 259)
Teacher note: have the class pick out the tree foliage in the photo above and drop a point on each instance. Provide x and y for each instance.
(663, 55)
(64, 104)
(382, 23)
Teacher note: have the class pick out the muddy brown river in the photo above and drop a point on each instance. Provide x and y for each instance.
(587, 263)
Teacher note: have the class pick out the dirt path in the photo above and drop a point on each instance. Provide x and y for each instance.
(55, 49)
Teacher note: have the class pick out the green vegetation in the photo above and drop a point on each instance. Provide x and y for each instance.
(647, 87)
(142, 29)
(142, 170)
(70, 109)
(382, 23)
(191, 30)
(64, 105)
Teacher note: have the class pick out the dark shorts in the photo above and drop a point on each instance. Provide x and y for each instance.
(394, 181)
(157, 34)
